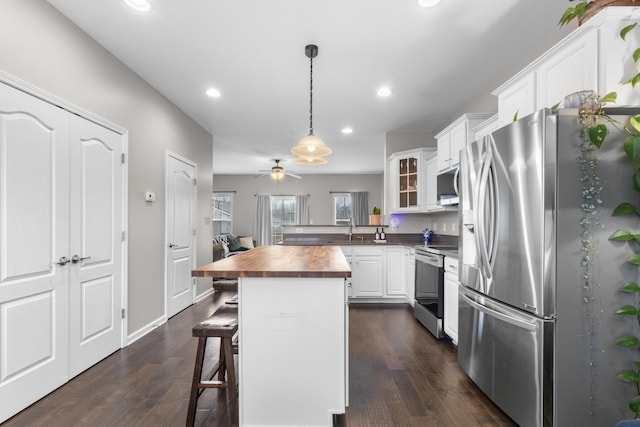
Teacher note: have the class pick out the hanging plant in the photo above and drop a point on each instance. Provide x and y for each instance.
(594, 132)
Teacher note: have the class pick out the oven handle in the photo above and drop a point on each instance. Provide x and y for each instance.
(431, 259)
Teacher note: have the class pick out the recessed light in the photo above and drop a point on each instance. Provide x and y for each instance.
(384, 91)
(141, 5)
(213, 92)
(347, 130)
(427, 3)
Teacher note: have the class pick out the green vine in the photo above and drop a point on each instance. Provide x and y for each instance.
(632, 151)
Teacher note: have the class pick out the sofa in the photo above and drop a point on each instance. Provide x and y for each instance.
(226, 245)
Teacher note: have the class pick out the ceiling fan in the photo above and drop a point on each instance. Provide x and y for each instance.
(277, 172)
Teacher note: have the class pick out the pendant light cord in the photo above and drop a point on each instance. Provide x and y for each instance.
(311, 96)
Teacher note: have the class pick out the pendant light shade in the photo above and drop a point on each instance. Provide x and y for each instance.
(311, 145)
(311, 150)
(311, 160)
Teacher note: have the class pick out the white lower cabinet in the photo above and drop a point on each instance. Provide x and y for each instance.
(451, 298)
(396, 271)
(367, 271)
(410, 266)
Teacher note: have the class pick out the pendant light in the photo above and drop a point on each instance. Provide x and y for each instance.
(311, 150)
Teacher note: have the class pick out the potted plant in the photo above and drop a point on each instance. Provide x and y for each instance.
(374, 218)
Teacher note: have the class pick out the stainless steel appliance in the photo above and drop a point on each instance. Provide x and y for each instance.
(524, 325)
(429, 303)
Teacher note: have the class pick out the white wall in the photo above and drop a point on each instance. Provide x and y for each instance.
(43, 48)
(317, 186)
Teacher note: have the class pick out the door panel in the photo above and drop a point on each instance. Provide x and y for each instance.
(34, 229)
(96, 230)
(180, 211)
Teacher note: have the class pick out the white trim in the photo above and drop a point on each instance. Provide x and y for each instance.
(50, 98)
(42, 94)
(125, 243)
(205, 294)
(149, 327)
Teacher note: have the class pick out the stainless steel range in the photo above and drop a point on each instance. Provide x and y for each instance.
(429, 303)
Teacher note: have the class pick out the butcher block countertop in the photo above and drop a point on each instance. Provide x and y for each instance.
(280, 261)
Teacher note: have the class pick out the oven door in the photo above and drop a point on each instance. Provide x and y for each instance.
(429, 276)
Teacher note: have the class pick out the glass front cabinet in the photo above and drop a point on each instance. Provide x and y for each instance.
(407, 180)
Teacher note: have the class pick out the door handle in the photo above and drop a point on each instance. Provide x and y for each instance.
(172, 245)
(77, 258)
(62, 261)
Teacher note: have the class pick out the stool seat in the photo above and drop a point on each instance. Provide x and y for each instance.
(222, 324)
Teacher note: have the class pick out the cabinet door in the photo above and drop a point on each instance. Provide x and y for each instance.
(396, 271)
(457, 142)
(451, 306)
(570, 69)
(444, 151)
(410, 265)
(516, 97)
(367, 275)
(431, 183)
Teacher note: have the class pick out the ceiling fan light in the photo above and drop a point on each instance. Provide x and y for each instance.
(277, 174)
(311, 160)
(311, 146)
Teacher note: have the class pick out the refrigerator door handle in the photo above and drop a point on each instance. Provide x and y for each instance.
(484, 244)
(498, 315)
(455, 181)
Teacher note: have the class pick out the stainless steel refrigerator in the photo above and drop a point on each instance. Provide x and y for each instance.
(526, 336)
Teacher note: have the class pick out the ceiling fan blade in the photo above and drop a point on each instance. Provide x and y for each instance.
(261, 174)
(293, 175)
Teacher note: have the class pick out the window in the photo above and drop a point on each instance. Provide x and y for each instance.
(341, 208)
(222, 215)
(283, 212)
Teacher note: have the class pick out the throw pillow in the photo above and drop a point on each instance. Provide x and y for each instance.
(247, 242)
(234, 242)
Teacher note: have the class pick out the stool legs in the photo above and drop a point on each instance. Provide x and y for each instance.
(225, 367)
(231, 379)
(197, 374)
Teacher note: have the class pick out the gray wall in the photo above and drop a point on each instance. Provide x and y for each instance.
(317, 186)
(43, 48)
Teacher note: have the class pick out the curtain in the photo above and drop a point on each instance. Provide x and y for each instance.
(360, 207)
(302, 209)
(262, 223)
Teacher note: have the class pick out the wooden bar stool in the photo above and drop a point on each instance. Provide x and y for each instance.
(222, 324)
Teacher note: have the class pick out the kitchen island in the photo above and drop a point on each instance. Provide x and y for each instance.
(293, 319)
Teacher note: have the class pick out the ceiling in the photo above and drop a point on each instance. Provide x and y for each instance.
(434, 60)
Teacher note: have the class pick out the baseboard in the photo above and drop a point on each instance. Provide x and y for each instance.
(204, 294)
(131, 338)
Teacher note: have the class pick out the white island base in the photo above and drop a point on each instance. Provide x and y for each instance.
(293, 354)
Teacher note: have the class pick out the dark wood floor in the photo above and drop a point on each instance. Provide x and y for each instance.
(399, 376)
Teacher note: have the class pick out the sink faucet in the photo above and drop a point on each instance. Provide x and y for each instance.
(350, 232)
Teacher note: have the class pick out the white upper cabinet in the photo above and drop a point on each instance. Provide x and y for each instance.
(592, 57)
(454, 137)
(407, 181)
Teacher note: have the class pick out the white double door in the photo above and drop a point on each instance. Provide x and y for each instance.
(60, 247)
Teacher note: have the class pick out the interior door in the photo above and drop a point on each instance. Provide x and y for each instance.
(95, 244)
(34, 246)
(180, 239)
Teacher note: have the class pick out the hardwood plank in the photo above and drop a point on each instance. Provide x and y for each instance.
(400, 376)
